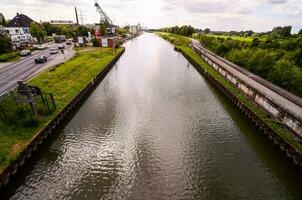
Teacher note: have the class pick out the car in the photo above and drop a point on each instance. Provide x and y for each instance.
(25, 52)
(41, 47)
(61, 46)
(68, 42)
(54, 51)
(40, 59)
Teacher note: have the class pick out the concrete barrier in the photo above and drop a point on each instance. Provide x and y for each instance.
(48, 129)
(285, 107)
(289, 150)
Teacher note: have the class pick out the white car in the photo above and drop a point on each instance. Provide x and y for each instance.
(41, 47)
(54, 51)
(24, 53)
(68, 42)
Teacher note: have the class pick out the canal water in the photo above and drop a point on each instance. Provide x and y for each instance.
(156, 129)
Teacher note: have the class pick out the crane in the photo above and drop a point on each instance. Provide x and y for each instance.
(105, 20)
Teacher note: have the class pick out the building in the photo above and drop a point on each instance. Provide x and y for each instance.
(18, 28)
(62, 22)
(134, 29)
(109, 41)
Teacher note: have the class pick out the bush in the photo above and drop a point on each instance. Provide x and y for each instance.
(5, 44)
(95, 42)
(8, 56)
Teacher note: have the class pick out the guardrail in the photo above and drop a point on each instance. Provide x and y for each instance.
(285, 107)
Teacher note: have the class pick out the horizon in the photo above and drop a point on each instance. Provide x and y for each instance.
(218, 15)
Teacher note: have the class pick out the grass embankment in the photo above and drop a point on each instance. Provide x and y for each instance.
(242, 39)
(64, 83)
(9, 57)
(183, 44)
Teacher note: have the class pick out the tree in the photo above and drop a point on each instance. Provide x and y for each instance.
(5, 42)
(287, 75)
(37, 31)
(255, 42)
(207, 30)
(67, 31)
(282, 31)
(3, 21)
(82, 31)
(300, 32)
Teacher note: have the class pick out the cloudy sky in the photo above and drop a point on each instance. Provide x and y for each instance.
(258, 15)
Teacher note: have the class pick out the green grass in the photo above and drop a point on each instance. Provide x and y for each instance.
(64, 83)
(242, 39)
(9, 57)
(279, 129)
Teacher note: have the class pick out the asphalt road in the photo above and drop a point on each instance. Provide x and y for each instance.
(27, 68)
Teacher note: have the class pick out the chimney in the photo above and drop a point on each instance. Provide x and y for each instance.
(76, 13)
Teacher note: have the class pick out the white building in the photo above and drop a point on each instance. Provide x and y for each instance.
(18, 28)
(134, 29)
(19, 34)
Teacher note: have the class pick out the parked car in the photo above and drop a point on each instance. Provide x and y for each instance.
(61, 46)
(54, 51)
(25, 53)
(68, 42)
(40, 59)
(41, 47)
(60, 38)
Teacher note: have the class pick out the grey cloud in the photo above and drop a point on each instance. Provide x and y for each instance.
(244, 11)
(277, 1)
(207, 7)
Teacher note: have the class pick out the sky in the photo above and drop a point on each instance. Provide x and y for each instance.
(219, 15)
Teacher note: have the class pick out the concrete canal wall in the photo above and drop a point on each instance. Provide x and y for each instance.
(284, 146)
(49, 128)
(285, 107)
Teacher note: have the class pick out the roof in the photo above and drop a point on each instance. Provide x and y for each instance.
(20, 20)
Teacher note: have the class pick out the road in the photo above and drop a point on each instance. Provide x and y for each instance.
(27, 68)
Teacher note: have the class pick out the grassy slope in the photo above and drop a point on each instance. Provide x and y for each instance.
(65, 82)
(182, 43)
(242, 39)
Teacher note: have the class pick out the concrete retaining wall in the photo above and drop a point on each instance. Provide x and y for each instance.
(52, 125)
(284, 107)
(284, 146)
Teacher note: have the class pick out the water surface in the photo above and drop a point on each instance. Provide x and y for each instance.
(156, 129)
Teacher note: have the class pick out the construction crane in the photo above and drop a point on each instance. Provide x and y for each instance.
(105, 20)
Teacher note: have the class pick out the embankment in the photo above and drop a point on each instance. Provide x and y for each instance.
(72, 87)
(275, 131)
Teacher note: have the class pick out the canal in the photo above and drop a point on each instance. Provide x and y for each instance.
(156, 129)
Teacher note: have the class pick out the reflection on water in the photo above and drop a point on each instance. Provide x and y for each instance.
(155, 129)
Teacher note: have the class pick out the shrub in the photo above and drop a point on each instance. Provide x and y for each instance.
(8, 56)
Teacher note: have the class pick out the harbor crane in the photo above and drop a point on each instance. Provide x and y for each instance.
(105, 21)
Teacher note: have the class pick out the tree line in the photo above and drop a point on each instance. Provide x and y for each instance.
(275, 55)
(183, 30)
(277, 61)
